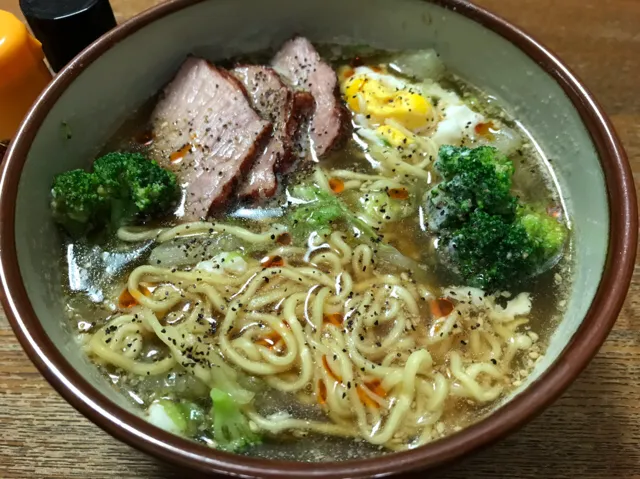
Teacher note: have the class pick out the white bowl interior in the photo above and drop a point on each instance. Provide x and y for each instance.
(120, 81)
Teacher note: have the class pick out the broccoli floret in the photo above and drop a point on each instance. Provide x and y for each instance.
(75, 201)
(546, 234)
(474, 179)
(487, 236)
(231, 429)
(123, 188)
(489, 251)
(136, 186)
(133, 176)
(455, 161)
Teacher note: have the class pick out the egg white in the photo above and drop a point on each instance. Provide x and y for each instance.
(456, 121)
(386, 79)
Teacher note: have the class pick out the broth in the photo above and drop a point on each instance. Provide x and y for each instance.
(407, 286)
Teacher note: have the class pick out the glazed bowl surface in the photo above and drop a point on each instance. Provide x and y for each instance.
(92, 96)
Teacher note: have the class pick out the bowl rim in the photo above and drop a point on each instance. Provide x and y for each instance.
(135, 431)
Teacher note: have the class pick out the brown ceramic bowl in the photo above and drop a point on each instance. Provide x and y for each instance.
(114, 76)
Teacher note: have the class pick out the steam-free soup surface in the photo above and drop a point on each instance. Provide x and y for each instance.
(347, 314)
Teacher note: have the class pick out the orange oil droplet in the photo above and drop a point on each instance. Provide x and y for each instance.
(322, 392)
(180, 154)
(272, 262)
(284, 239)
(145, 138)
(399, 193)
(485, 129)
(126, 300)
(331, 374)
(270, 340)
(441, 307)
(336, 185)
(333, 318)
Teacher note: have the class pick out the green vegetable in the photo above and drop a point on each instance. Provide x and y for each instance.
(474, 179)
(225, 422)
(195, 416)
(233, 262)
(319, 210)
(66, 130)
(379, 206)
(546, 234)
(489, 251)
(136, 186)
(123, 188)
(231, 429)
(75, 201)
(486, 236)
(174, 413)
(184, 417)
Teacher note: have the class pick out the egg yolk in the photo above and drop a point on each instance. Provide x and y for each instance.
(393, 136)
(371, 97)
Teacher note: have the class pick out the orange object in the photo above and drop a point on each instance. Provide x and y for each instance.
(270, 340)
(24, 74)
(284, 239)
(333, 318)
(126, 301)
(181, 153)
(330, 372)
(375, 388)
(399, 193)
(486, 130)
(441, 307)
(322, 392)
(349, 73)
(336, 185)
(272, 262)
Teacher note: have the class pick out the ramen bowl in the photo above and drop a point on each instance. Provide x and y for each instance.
(94, 94)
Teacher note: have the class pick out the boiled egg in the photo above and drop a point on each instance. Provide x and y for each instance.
(392, 111)
(393, 136)
(380, 97)
(458, 124)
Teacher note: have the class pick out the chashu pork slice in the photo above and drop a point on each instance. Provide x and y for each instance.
(208, 134)
(279, 104)
(299, 62)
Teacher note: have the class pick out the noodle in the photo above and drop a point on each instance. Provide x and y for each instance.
(314, 296)
(327, 326)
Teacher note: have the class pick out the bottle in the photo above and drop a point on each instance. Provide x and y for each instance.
(23, 75)
(66, 27)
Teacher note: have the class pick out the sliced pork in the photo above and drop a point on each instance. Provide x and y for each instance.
(300, 64)
(277, 103)
(208, 134)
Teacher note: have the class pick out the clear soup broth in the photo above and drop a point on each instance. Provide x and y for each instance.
(337, 318)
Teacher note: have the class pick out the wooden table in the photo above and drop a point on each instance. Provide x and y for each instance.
(592, 432)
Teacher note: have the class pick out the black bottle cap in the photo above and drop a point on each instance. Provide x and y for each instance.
(66, 27)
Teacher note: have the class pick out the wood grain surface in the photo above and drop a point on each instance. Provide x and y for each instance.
(592, 432)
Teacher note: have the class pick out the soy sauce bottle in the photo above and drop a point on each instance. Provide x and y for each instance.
(66, 27)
